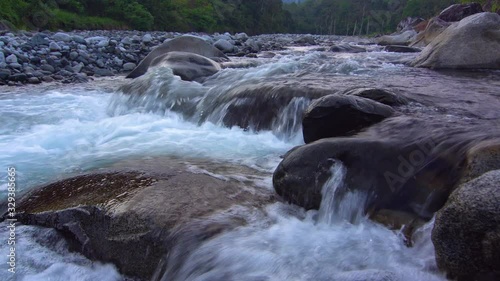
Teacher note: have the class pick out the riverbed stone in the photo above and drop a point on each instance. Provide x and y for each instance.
(54, 47)
(458, 12)
(466, 233)
(4, 74)
(60, 36)
(129, 66)
(11, 59)
(471, 43)
(2, 57)
(224, 45)
(403, 38)
(141, 206)
(341, 115)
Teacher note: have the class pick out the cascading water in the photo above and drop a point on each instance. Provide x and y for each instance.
(335, 243)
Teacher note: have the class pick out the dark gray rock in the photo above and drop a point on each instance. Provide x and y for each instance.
(60, 36)
(339, 115)
(11, 59)
(224, 46)
(4, 74)
(378, 95)
(18, 77)
(466, 233)
(39, 39)
(403, 38)
(103, 72)
(54, 47)
(129, 66)
(34, 80)
(347, 48)
(401, 49)
(48, 68)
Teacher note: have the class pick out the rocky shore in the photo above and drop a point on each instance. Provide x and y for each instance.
(36, 57)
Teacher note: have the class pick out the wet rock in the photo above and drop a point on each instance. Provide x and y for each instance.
(34, 80)
(189, 66)
(260, 106)
(458, 12)
(401, 49)
(190, 44)
(141, 206)
(18, 77)
(47, 79)
(4, 74)
(482, 158)
(224, 46)
(103, 72)
(347, 48)
(402, 163)
(2, 57)
(466, 233)
(403, 38)
(339, 115)
(60, 36)
(79, 39)
(378, 95)
(129, 66)
(306, 39)
(470, 43)
(15, 65)
(48, 67)
(241, 36)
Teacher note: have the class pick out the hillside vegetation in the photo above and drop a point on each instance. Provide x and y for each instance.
(252, 16)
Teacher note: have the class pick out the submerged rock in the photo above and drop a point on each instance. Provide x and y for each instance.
(340, 115)
(401, 49)
(347, 48)
(190, 44)
(466, 233)
(401, 163)
(379, 95)
(471, 43)
(129, 214)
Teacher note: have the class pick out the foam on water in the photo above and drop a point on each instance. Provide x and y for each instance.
(324, 245)
(42, 254)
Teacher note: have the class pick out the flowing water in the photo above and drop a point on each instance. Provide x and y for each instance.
(49, 132)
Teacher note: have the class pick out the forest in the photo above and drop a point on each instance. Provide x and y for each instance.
(340, 17)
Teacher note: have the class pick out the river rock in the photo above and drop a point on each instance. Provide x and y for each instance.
(2, 57)
(140, 207)
(401, 49)
(60, 36)
(340, 115)
(466, 234)
(189, 66)
(306, 39)
(54, 47)
(402, 163)
(482, 158)
(347, 48)
(103, 72)
(190, 44)
(147, 38)
(39, 39)
(403, 38)
(241, 36)
(379, 95)
(262, 106)
(435, 27)
(224, 46)
(408, 23)
(471, 43)
(457, 12)
(4, 74)
(18, 77)
(129, 66)
(11, 59)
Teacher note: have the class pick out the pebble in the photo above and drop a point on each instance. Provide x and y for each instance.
(60, 36)
(11, 59)
(129, 66)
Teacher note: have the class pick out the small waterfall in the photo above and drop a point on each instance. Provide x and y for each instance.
(338, 203)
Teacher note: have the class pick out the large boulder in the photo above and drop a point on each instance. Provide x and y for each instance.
(190, 44)
(128, 214)
(482, 158)
(458, 12)
(379, 95)
(403, 38)
(471, 43)
(466, 234)
(270, 105)
(341, 115)
(434, 27)
(346, 48)
(408, 23)
(402, 163)
(189, 66)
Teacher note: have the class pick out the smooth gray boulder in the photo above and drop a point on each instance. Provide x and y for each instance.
(130, 214)
(466, 234)
(224, 45)
(403, 38)
(341, 115)
(190, 44)
(60, 36)
(188, 66)
(474, 42)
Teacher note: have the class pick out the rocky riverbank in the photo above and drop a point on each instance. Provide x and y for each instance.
(77, 56)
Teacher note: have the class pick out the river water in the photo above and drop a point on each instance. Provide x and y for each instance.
(49, 132)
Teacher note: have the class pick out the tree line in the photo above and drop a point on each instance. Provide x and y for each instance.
(341, 17)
